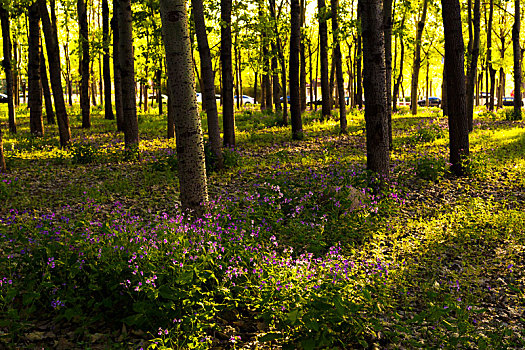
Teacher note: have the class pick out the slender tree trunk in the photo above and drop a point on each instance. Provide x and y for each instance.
(117, 79)
(302, 76)
(255, 99)
(473, 65)
(517, 61)
(275, 79)
(387, 28)
(106, 70)
(190, 143)
(127, 73)
(283, 81)
(227, 75)
(417, 59)
(456, 89)
(6, 64)
(492, 71)
(50, 114)
(3, 167)
(331, 82)
(312, 84)
(16, 83)
(323, 43)
(339, 67)
(374, 82)
(208, 80)
(159, 89)
(317, 70)
(84, 64)
(295, 47)
(399, 79)
(53, 55)
(36, 125)
(358, 60)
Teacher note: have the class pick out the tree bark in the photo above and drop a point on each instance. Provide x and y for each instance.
(295, 47)
(302, 74)
(6, 63)
(339, 67)
(171, 113)
(3, 167)
(473, 65)
(374, 83)
(399, 79)
(358, 62)
(84, 64)
(275, 79)
(106, 69)
(517, 61)
(36, 125)
(208, 82)
(387, 28)
(417, 59)
(456, 89)
(53, 54)
(492, 71)
(50, 114)
(323, 44)
(228, 117)
(127, 73)
(117, 79)
(190, 143)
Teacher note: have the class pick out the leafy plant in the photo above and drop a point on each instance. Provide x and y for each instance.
(83, 153)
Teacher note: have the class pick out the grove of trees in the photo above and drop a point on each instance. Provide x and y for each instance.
(240, 47)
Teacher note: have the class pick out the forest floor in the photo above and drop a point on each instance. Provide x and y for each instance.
(300, 247)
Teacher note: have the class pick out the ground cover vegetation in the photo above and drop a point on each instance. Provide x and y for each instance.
(181, 216)
(297, 248)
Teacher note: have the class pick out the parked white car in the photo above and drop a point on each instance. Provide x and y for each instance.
(246, 100)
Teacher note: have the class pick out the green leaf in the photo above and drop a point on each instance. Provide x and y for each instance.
(269, 337)
(308, 344)
(29, 298)
(292, 316)
(167, 293)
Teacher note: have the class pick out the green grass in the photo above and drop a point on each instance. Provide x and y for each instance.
(299, 247)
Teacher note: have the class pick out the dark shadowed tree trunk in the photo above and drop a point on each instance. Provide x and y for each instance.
(491, 70)
(374, 83)
(275, 78)
(417, 59)
(339, 67)
(106, 69)
(84, 64)
(302, 76)
(227, 74)
(117, 80)
(208, 82)
(473, 65)
(456, 89)
(323, 44)
(6, 64)
(190, 143)
(50, 114)
(3, 168)
(295, 47)
(53, 54)
(387, 28)
(36, 125)
(358, 61)
(399, 79)
(517, 61)
(127, 74)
